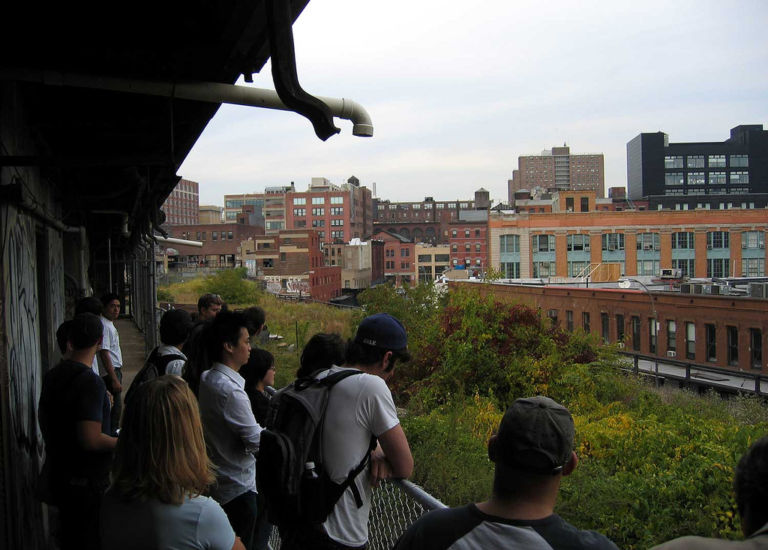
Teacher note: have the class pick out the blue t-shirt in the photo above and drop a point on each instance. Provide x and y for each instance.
(198, 523)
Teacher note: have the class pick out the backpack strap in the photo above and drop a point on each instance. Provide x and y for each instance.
(350, 481)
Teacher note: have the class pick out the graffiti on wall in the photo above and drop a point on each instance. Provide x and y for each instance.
(24, 368)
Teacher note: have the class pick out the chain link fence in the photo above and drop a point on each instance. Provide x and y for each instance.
(395, 506)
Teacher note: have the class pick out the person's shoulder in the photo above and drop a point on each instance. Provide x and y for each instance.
(571, 536)
(703, 543)
(439, 529)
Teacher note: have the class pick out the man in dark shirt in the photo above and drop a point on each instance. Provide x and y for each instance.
(74, 415)
(532, 450)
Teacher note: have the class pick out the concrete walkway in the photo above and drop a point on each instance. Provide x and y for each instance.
(132, 346)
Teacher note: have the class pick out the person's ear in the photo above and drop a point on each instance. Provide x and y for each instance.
(571, 464)
(493, 448)
(385, 362)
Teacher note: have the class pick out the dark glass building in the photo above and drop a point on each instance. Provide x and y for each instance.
(715, 175)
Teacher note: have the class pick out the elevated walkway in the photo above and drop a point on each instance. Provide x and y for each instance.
(133, 346)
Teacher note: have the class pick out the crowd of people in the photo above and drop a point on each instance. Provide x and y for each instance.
(173, 465)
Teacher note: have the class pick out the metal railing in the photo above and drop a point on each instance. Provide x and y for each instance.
(395, 506)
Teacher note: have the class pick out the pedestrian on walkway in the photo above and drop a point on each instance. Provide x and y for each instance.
(111, 357)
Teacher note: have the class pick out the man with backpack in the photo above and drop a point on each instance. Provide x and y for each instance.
(357, 442)
(167, 358)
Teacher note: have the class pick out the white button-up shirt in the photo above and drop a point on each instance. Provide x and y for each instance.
(231, 432)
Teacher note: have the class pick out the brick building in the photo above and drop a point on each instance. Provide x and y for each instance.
(399, 257)
(557, 169)
(426, 221)
(221, 242)
(468, 241)
(700, 243)
(182, 205)
(291, 263)
(715, 330)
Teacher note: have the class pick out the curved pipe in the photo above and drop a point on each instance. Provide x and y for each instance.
(210, 92)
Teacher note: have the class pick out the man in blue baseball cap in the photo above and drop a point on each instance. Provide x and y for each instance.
(361, 419)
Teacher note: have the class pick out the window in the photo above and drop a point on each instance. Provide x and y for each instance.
(442, 258)
(648, 241)
(267, 262)
(403, 265)
(585, 321)
(695, 161)
(605, 327)
(577, 242)
(198, 235)
(584, 205)
(636, 333)
(753, 239)
(416, 206)
(282, 256)
(671, 336)
(509, 244)
(404, 252)
(695, 178)
(716, 161)
(337, 211)
(674, 178)
(214, 235)
(552, 314)
(389, 264)
(755, 348)
(718, 267)
(647, 267)
(673, 162)
(711, 335)
(690, 341)
(543, 269)
(337, 223)
(230, 235)
(753, 267)
(318, 211)
(477, 233)
(738, 177)
(543, 243)
(613, 241)
(318, 223)
(686, 267)
(467, 247)
(298, 201)
(569, 320)
(718, 239)
(337, 200)
(511, 270)
(466, 233)
(717, 178)
(739, 161)
(318, 200)
(733, 345)
(454, 233)
(478, 246)
(682, 240)
(620, 328)
(321, 235)
(577, 269)
(425, 258)
(337, 234)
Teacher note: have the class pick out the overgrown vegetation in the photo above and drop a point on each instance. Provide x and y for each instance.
(655, 463)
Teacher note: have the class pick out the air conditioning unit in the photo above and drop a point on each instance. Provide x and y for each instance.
(715, 289)
(758, 290)
(685, 288)
(671, 354)
(671, 273)
(698, 288)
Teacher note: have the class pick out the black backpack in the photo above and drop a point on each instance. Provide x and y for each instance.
(295, 492)
(155, 366)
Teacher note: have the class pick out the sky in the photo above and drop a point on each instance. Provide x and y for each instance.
(457, 91)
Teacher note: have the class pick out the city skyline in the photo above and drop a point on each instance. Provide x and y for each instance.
(457, 94)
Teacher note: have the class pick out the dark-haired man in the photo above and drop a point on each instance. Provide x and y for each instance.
(231, 432)
(74, 415)
(361, 408)
(111, 356)
(195, 348)
(750, 484)
(532, 451)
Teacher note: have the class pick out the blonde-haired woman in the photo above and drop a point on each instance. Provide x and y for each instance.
(159, 474)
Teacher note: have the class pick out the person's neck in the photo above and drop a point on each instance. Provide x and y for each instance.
(228, 362)
(84, 356)
(539, 507)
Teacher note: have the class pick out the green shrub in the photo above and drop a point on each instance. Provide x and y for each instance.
(164, 295)
(232, 286)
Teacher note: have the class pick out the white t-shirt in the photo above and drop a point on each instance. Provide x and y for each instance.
(110, 342)
(177, 365)
(359, 406)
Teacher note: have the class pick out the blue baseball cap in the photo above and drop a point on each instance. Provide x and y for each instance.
(382, 331)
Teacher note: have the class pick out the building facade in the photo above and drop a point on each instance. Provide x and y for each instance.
(431, 261)
(719, 331)
(700, 243)
(426, 221)
(715, 175)
(210, 214)
(468, 242)
(399, 256)
(558, 169)
(182, 205)
(221, 243)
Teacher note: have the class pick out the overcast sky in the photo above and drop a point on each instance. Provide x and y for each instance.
(458, 90)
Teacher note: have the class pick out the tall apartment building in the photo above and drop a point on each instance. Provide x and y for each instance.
(338, 213)
(557, 169)
(181, 206)
(700, 174)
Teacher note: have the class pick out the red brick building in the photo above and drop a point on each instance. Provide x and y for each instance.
(399, 258)
(718, 330)
(182, 205)
(291, 263)
(221, 243)
(468, 242)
